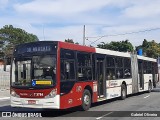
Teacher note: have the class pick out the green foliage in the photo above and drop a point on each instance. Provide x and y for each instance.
(150, 48)
(10, 37)
(71, 41)
(122, 46)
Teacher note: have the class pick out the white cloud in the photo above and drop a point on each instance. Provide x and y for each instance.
(62, 33)
(112, 33)
(61, 7)
(63, 19)
(143, 9)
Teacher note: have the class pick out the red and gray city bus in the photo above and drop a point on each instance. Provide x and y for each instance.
(60, 75)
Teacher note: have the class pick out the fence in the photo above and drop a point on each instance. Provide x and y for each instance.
(4, 77)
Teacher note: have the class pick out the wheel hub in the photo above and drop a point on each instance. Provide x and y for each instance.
(86, 100)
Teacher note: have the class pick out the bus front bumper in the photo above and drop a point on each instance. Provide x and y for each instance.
(53, 103)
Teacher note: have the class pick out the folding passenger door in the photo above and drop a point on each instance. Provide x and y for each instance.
(100, 74)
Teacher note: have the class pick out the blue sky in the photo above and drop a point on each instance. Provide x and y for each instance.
(63, 19)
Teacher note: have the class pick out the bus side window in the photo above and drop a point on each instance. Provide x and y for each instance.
(119, 67)
(111, 74)
(145, 66)
(127, 73)
(127, 68)
(67, 70)
(67, 65)
(63, 77)
(110, 68)
(84, 66)
(149, 68)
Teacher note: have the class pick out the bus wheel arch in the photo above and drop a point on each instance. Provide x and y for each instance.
(86, 98)
(123, 90)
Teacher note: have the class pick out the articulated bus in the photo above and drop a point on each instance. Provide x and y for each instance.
(60, 75)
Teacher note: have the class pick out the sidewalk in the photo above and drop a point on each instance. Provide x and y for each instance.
(4, 94)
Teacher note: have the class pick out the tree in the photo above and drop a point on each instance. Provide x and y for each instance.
(76, 43)
(122, 46)
(150, 48)
(10, 37)
(70, 41)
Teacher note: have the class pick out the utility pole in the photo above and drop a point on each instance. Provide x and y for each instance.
(43, 32)
(84, 37)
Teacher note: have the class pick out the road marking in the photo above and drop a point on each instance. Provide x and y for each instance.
(147, 96)
(104, 115)
(5, 98)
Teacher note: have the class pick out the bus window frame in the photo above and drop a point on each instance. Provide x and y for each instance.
(64, 59)
(83, 66)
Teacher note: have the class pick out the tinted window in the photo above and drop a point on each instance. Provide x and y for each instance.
(67, 54)
(119, 62)
(127, 67)
(67, 65)
(84, 66)
(111, 74)
(110, 62)
(110, 68)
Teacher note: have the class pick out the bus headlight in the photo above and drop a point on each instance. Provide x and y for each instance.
(53, 93)
(14, 94)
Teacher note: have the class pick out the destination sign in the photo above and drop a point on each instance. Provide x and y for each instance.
(39, 49)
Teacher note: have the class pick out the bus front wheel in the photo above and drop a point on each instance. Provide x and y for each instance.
(123, 92)
(86, 100)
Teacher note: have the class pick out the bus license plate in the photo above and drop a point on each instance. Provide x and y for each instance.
(31, 102)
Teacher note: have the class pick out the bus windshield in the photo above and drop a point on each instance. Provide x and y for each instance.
(38, 71)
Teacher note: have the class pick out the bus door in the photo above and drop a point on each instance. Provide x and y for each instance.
(100, 75)
(141, 77)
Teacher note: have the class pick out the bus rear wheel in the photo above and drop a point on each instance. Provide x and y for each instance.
(86, 100)
(123, 92)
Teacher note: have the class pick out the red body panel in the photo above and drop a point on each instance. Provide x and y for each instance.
(32, 93)
(76, 47)
(74, 98)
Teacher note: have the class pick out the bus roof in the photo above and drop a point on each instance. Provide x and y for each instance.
(111, 52)
(72, 46)
(146, 58)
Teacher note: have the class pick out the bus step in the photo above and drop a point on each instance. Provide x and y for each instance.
(101, 96)
(101, 99)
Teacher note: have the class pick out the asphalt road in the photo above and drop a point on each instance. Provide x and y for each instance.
(135, 107)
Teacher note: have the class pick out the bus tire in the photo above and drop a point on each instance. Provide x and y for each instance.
(86, 100)
(123, 92)
(149, 87)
